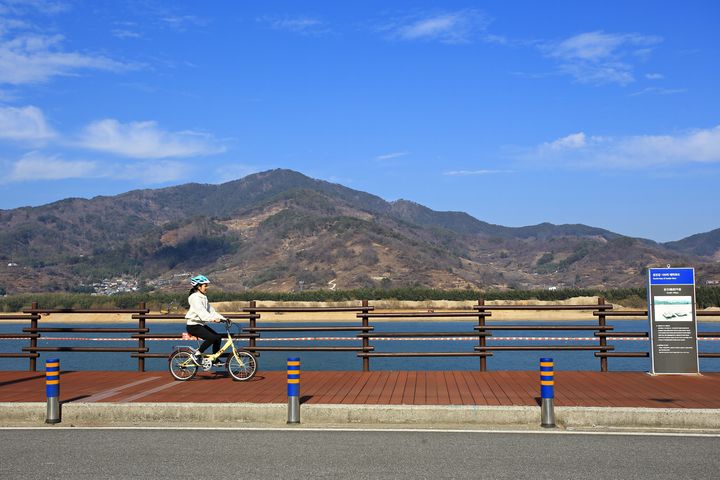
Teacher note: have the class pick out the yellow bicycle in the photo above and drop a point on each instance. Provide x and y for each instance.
(240, 364)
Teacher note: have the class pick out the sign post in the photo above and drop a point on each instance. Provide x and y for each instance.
(673, 325)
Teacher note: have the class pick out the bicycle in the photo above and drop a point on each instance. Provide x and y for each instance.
(240, 364)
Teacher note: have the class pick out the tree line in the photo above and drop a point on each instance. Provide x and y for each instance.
(175, 301)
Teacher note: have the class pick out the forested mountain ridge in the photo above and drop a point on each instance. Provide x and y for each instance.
(281, 230)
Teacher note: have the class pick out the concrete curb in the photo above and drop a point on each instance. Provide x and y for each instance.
(672, 418)
(234, 414)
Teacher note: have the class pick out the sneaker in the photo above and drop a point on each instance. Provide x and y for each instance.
(197, 359)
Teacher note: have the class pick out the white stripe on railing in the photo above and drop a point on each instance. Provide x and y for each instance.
(314, 339)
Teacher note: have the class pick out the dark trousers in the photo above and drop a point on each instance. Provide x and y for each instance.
(210, 336)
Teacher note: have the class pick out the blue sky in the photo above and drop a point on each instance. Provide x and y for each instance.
(605, 113)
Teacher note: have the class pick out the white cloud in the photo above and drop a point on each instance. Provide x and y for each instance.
(389, 156)
(22, 7)
(36, 166)
(145, 140)
(183, 22)
(302, 25)
(9, 24)
(456, 27)
(630, 152)
(658, 91)
(654, 76)
(574, 140)
(124, 33)
(24, 124)
(599, 57)
(32, 58)
(466, 173)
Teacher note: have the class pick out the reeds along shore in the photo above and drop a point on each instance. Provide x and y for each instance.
(394, 306)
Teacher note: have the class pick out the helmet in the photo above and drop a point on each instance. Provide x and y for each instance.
(199, 280)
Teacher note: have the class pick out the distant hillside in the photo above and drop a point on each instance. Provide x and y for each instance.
(703, 244)
(283, 231)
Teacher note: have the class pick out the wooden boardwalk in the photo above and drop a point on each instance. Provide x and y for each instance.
(586, 389)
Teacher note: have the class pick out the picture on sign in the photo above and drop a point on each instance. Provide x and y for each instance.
(674, 309)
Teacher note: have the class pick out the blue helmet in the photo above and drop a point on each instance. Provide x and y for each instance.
(199, 280)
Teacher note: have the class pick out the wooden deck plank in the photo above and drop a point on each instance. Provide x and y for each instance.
(331, 386)
(398, 389)
(338, 389)
(373, 388)
(454, 396)
(493, 386)
(357, 387)
(624, 392)
(600, 394)
(479, 389)
(317, 389)
(420, 392)
(433, 386)
(409, 391)
(514, 391)
(521, 382)
(386, 393)
(578, 390)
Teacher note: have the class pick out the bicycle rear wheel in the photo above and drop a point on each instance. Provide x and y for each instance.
(241, 366)
(181, 365)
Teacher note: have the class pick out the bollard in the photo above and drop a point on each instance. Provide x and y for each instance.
(52, 389)
(547, 393)
(293, 380)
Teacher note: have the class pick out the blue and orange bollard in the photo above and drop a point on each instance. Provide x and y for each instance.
(293, 386)
(52, 390)
(547, 393)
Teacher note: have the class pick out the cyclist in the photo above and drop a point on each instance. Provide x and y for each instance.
(199, 314)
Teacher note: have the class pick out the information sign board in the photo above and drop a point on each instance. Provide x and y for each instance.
(673, 324)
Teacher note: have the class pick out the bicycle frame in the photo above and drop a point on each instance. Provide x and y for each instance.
(228, 343)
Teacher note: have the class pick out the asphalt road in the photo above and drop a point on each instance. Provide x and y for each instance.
(205, 454)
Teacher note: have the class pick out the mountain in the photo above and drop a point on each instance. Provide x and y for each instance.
(703, 244)
(280, 230)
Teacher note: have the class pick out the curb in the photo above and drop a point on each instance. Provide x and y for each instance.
(233, 414)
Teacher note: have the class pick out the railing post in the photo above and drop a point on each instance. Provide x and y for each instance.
(52, 390)
(365, 340)
(141, 339)
(293, 388)
(603, 339)
(253, 324)
(482, 341)
(33, 341)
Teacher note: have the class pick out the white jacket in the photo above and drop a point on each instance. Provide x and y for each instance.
(200, 311)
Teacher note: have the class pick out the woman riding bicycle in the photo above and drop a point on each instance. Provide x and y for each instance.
(199, 314)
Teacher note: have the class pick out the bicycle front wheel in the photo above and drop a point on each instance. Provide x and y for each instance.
(242, 365)
(181, 365)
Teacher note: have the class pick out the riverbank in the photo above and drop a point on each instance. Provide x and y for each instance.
(380, 306)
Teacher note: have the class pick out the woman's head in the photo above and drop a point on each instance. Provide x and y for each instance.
(199, 283)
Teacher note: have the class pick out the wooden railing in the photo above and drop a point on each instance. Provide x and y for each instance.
(360, 325)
